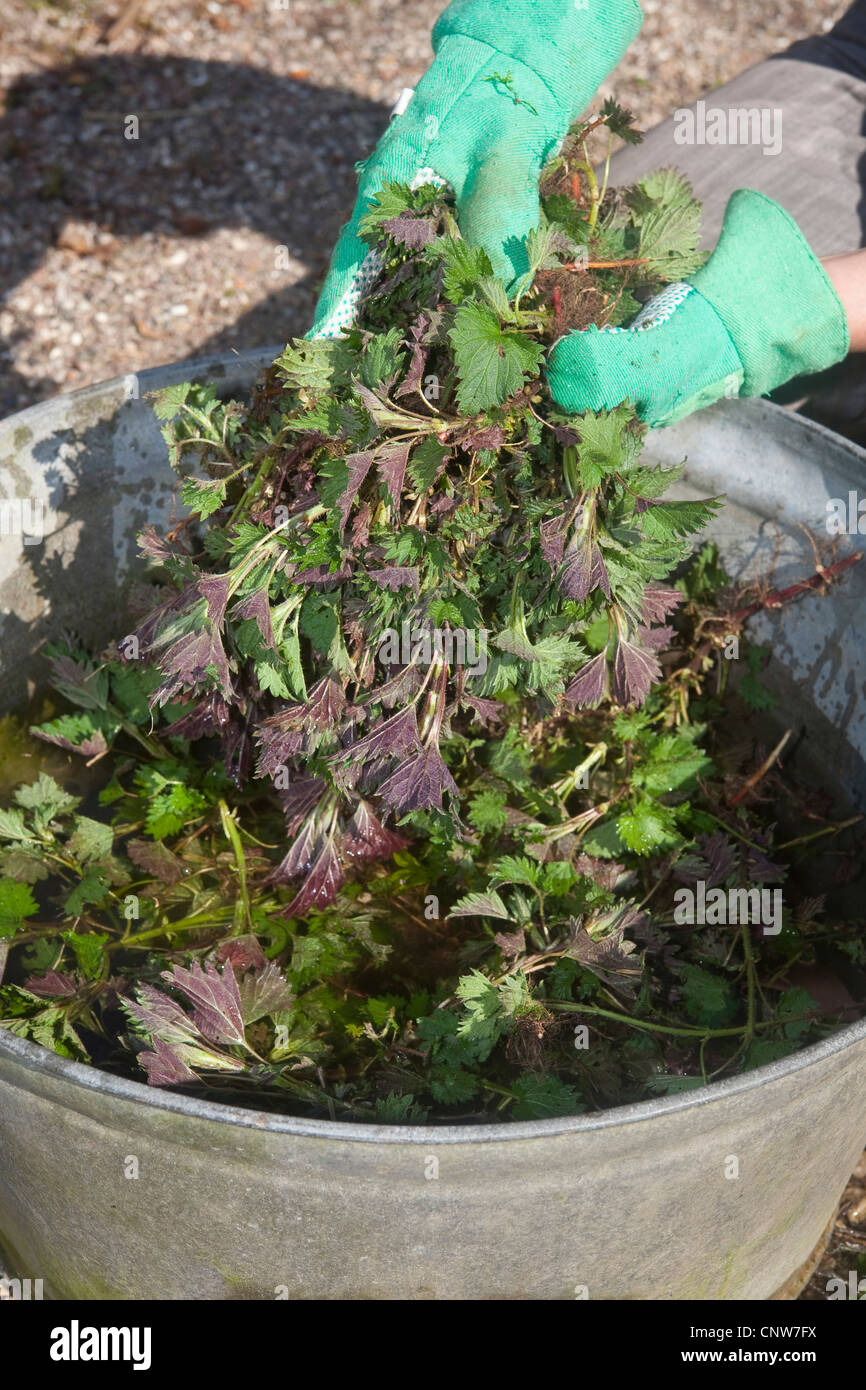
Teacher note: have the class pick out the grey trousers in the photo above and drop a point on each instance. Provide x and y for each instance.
(809, 155)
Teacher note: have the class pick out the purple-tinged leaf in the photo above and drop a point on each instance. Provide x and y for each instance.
(257, 607)
(358, 466)
(156, 859)
(215, 1000)
(635, 671)
(487, 437)
(654, 639)
(164, 1067)
(396, 577)
(566, 435)
(590, 684)
(398, 690)
(54, 984)
(609, 957)
(154, 546)
(411, 231)
(552, 535)
(393, 737)
(210, 716)
(511, 944)
(361, 522)
(322, 577)
(325, 705)
(302, 853)
(214, 589)
(160, 1016)
(241, 953)
(190, 662)
(419, 783)
(488, 713)
(604, 872)
(414, 378)
(322, 884)
(366, 837)
(658, 603)
(93, 746)
(391, 463)
(299, 798)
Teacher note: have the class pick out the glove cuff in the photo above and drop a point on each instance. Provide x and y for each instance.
(572, 49)
(773, 295)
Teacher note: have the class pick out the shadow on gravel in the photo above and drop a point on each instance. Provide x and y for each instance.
(220, 145)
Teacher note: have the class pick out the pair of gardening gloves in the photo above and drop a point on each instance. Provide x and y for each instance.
(508, 79)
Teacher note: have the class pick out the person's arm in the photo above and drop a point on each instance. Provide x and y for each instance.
(508, 79)
(848, 276)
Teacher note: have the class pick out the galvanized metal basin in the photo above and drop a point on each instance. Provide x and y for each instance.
(635, 1203)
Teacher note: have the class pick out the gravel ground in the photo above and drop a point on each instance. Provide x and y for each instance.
(213, 228)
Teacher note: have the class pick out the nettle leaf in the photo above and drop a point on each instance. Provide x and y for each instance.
(492, 362)
(708, 998)
(263, 992)
(464, 265)
(666, 520)
(420, 782)
(647, 828)
(544, 1097)
(89, 949)
(487, 904)
(45, 798)
(216, 1002)
(90, 840)
(12, 825)
(16, 903)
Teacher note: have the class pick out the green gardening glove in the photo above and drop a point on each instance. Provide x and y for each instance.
(761, 311)
(508, 79)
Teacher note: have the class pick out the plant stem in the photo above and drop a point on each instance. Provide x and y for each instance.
(242, 907)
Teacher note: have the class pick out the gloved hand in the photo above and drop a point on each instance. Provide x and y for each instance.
(761, 311)
(486, 137)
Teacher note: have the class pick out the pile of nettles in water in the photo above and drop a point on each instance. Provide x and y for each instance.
(423, 725)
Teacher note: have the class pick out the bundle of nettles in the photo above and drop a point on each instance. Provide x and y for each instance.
(419, 725)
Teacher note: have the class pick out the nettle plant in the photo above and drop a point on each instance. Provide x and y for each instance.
(412, 724)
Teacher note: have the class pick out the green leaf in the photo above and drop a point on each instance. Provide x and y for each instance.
(90, 840)
(487, 812)
(492, 362)
(666, 520)
(203, 497)
(167, 402)
(481, 905)
(792, 1003)
(544, 1097)
(668, 218)
(514, 868)
(89, 951)
(12, 826)
(171, 809)
(46, 798)
(648, 828)
(16, 903)
(452, 1085)
(93, 888)
(270, 680)
(708, 998)
(318, 365)
(465, 265)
